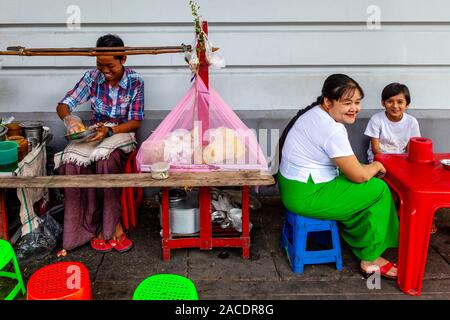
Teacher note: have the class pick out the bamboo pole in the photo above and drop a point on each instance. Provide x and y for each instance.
(87, 53)
(19, 48)
(94, 51)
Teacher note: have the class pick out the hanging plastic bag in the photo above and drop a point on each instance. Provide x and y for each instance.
(192, 58)
(202, 133)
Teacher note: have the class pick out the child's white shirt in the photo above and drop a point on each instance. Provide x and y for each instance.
(394, 136)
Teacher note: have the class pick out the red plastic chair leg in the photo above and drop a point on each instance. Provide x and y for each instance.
(131, 197)
(125, 214)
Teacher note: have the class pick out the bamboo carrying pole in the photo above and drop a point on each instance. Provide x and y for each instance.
(95, 51)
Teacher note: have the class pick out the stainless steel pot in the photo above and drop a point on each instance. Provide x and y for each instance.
(177, 198)
(33, 131)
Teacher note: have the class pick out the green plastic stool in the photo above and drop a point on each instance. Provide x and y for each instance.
(166, 287)
(7, 255)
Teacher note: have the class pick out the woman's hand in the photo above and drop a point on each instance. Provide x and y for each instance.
(357, 172)
(381, 169)
(101, 133)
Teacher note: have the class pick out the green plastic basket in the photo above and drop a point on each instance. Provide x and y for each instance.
(8, 155)
(166, 287)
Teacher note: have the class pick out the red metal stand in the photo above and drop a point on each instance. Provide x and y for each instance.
(3, 216)
(205, 241)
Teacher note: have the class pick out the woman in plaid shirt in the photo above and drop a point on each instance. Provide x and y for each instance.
(116, 95)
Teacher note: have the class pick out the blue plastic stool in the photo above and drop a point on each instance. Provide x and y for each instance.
(294, 237)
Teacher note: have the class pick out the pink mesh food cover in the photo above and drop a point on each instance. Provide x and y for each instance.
(202, 133)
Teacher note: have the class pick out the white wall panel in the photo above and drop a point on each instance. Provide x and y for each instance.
(242, 88)
(254, 11)
(278, 52)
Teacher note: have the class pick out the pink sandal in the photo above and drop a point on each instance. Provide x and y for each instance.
(100, 245)
(122, 245)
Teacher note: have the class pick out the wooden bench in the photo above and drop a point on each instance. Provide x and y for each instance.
(203, 180)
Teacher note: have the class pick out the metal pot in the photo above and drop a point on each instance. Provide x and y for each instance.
(177, 197)
(33, 131)
(3, 131)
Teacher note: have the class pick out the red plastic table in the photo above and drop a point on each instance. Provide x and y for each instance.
(422, 189)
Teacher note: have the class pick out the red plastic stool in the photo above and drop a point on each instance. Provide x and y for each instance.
(131, 197)
(60, 281)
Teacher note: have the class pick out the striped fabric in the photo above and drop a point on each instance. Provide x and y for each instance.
(119, 104)
(32, 165)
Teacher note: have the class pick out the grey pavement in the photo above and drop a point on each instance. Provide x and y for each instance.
(266, 275)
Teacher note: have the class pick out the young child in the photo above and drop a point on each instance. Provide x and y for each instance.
(390, 130)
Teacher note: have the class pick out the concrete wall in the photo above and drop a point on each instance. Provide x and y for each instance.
(278, 54)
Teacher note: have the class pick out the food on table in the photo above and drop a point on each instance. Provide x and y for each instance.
(183, 147)
(225, 147)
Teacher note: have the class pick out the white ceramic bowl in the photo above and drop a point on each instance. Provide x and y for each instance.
(446, 164)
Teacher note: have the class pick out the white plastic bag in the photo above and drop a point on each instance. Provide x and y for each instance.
(214, 59)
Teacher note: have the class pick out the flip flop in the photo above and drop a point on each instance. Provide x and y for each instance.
(101, 245)
(383, 271)
(122, 245)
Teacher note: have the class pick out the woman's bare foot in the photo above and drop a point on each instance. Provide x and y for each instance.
(368, 266)
(118, 232)
(99, 236)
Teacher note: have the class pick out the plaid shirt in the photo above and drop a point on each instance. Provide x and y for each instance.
(119, 104)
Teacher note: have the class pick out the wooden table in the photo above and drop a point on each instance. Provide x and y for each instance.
(422, 189)
(204, 180)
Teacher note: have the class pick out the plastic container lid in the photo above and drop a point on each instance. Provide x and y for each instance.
(160, 167)
(8, 152)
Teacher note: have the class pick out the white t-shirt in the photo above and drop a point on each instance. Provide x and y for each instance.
(311, 144)
(394, 136)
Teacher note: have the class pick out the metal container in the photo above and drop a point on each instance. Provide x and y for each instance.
(177, 198)
(33, 131)
(184, 211)
(3, 131)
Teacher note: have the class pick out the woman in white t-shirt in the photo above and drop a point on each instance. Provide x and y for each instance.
(314, 146)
